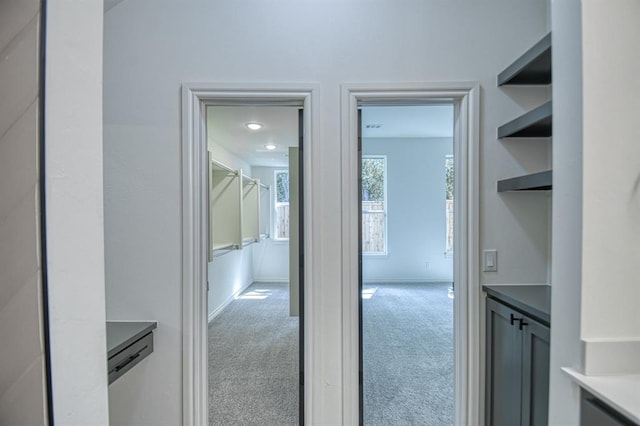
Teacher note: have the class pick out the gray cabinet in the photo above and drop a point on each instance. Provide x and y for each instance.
(594, 412)
(517, 383)
(535, 373)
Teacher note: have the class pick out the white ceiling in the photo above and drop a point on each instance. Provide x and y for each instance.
(226, 127)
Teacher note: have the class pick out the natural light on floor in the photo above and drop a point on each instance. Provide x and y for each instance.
(367, 293)
(255, 295)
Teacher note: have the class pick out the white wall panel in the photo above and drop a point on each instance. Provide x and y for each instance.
(611, 191)
(567, 210)
(152, 47)
(75, 226)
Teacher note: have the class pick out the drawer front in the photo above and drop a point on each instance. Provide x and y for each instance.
(595, 413)
(127, 358)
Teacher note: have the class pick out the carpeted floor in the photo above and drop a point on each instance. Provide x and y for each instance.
(408, 354)
(253, 360)
(408, 357)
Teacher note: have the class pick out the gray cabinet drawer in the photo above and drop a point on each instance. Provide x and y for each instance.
(127, 358)
(593, 412)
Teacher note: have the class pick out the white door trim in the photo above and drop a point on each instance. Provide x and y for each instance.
(465, 96)
(195, 98)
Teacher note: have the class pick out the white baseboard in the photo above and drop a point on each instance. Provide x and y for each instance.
(408, 281)
(516, 284)
(603, 357)
(231, 298)
(271, 280)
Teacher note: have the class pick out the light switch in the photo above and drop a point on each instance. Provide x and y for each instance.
(489, 260)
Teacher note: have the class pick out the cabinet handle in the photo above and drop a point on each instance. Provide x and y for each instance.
(512, 318)
(522, 323)
(129, 360)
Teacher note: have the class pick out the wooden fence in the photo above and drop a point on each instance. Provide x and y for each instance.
(282, 221)
(373, 227)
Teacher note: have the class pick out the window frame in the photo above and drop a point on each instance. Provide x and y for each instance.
(385, 252)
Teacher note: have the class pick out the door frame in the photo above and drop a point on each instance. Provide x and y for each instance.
(467, 303)
(195, 98)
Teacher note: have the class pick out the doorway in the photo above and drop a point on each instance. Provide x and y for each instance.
(254, 312)
(406, 203)
(466, 301)
(198, 247)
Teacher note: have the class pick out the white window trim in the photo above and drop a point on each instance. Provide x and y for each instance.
(386, 208)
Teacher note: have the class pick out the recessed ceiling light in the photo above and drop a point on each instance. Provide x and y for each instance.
(254, 126)
(270, 146)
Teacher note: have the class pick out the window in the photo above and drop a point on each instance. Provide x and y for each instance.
(448, 189)
(374, 204)
(281, 217)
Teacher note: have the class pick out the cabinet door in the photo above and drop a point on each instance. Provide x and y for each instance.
(504, 366)
(535, 373)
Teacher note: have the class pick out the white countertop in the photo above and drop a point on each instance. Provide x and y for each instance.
(620, 392)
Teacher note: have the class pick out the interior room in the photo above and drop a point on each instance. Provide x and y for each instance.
(104, 226)
(407, 264)
(253, 313)
(407, 224)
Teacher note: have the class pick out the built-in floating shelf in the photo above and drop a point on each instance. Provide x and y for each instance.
(128, 343)
(534, 124)
(532, 68)
(541, 181)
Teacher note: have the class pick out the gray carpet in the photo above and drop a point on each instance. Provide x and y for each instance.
(408, 355)
(253, 360)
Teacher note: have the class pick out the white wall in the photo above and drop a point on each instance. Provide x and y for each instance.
(596, 198)
(611, 191)
(567, 210)
(22, 369)
(229, 274)
(229, 159)
(270, 257)
(74, 207)
(610, 323)
(151, 47)
(416, 220)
